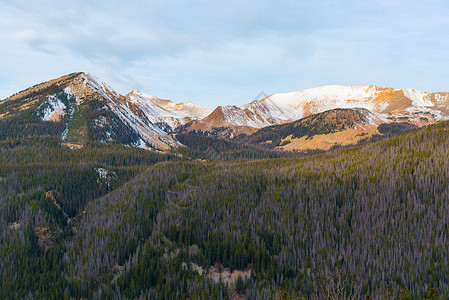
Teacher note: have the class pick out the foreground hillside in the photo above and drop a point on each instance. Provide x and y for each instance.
(376, 214)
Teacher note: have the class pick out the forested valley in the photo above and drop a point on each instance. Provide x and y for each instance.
(220, 219)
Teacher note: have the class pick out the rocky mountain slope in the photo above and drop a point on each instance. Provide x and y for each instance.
(90, 110)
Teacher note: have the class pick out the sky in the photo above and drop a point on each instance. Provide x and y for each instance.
(225, 52)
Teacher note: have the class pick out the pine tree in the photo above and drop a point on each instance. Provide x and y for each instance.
(240, 285)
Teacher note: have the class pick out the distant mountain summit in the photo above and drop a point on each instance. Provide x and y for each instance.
(91, 110)
(387, 101)
(390, 105)
(166, 114)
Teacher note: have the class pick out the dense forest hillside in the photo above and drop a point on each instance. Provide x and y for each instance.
(215, 218)
(108, 221)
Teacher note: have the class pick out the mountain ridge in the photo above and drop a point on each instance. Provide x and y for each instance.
(392, 104)
(150, 122)
(165, 113)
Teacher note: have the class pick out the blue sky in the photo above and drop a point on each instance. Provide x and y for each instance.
(226, 52)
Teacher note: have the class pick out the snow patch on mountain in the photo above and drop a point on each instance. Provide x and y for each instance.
(106, 176)
(376, 118)
(418, 98)
(70, 94)
(54, 109)
(141, 144)
(268, 114)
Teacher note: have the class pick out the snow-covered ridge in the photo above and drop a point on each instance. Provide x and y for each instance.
(167, 108)
(165, 111)
(370, 97)
(333, 93)
(100, 87)
(388, 104)
(128, 113)
(154, 119)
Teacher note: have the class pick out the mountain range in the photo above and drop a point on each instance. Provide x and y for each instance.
(387, 104)
(91, 110)
(220, 211)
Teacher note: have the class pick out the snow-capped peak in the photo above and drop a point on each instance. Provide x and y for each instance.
(165, 112)
(387, 103)
(100, 87)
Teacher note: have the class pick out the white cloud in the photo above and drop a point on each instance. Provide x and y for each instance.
(26, 36)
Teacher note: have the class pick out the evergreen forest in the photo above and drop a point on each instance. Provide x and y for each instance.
(223, 219)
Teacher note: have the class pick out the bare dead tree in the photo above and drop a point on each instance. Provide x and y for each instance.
(339, 285)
